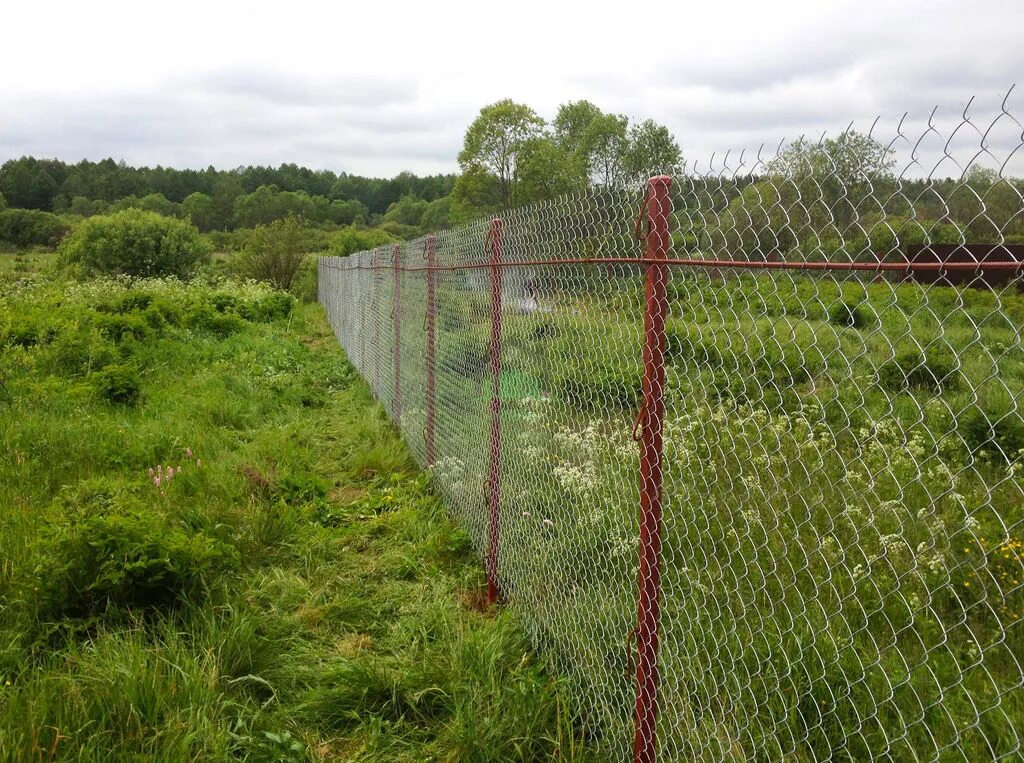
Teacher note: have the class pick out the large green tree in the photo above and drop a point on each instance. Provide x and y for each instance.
(490, 155)
(652, 150)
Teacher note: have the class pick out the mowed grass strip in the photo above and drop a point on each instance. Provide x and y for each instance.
(283, 586)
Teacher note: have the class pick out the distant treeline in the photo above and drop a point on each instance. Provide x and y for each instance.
(220, 199)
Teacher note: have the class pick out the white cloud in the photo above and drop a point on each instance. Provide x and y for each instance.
(376, 89)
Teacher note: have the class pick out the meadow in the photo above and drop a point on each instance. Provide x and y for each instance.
(216, 547)
(843, 553)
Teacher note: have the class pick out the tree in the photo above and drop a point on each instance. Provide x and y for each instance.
(29, 183)
(604, 146)
(571, 124)
(3, 203)
(226, 189)
(835, 177)
(274, 252)
(198, 207)
(135, 243)
(612, 151)
(477, 192)
(491, 149)
(351, 240)
(437, 215)
(652, 150)
(547, 171)
(408, 210)
(31, 227)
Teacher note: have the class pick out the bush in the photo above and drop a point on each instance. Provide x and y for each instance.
(351, 240)
(25, 332)
(127, 559)
(601, 389)
(135, 243)
(205, 318)
(120, 327)
(274, 252)
(849, 315)
(933, 372)
(1000, 434)
(119, 384)
(30, 227)
(77, 351)
(269, 308)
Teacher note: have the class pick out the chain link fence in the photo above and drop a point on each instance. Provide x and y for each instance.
(743, 450)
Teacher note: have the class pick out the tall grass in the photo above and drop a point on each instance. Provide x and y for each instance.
(293, 592)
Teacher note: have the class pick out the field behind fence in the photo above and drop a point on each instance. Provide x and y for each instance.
(743, 448)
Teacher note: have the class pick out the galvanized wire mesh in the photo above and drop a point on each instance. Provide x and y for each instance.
(841, 550)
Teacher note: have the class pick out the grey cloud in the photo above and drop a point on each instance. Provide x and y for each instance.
(276, 88)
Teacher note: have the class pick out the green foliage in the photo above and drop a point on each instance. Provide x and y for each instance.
(491, 149)
(207, 319)
(118, 384)
(351, 240)
(437, 215)
(408, 210)
(198, 207)
(126, 559)
(213, 616)
(616, 387)
(850, 315)
(29, 227)
(272, 307)
(933, 371)
(135, 243)
(274, 252)
(997, 432)
(119, 327)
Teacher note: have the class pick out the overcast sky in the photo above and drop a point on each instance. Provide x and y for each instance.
(376, 88)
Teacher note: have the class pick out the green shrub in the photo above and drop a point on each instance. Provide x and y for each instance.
(127, 559)
(351, 240)
(135, 243)
(118, 384)
(610, 387)
(267, 309)
(133, 302)
(30, 227)
(274, 252)
(998, 433)
(118, 327)
(849, 315)
(26, 332)
(206, 319)
(161, 311)
(912, 369)
(78, 351)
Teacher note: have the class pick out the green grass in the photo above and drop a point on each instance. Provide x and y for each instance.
(21, 263)
(843, 560)
(295, 592)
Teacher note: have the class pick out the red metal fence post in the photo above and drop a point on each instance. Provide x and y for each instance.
(494, 474)
(397, 407)
(431, 324)
(652, 417)
(378, 278)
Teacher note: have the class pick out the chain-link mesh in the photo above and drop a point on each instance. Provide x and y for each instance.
(837, 474)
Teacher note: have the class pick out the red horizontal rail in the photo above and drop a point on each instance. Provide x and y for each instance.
(873, 267)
